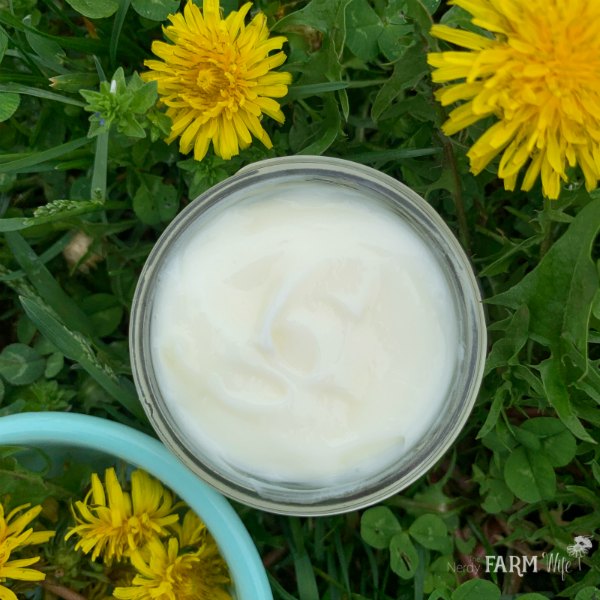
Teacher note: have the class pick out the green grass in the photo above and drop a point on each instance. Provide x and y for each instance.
(523, 477)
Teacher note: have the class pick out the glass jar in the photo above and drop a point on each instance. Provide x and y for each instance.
(287, 495)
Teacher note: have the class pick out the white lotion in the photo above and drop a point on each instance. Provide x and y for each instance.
(307, 335)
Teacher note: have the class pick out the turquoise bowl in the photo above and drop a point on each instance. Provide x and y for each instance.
(43, 429)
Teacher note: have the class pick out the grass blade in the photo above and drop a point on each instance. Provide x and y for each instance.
(52, 252)
(388, 155)
(296, 92)
(279, 591)
(344, 561)
(305, 574)
(38, 93)
(76, 347)
(22, 77)
(117, 28)
(46, 286)
(75, 209)
(31, 160)
(78, 44)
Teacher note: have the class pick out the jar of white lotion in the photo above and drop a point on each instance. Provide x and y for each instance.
(308, 336)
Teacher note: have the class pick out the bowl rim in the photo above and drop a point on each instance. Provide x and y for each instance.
(141, 450)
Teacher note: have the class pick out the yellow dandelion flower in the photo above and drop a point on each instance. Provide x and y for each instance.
(215, 78)
(113, 523)
(191, 531)
(169, 575)
(538, 75)
(13, 535)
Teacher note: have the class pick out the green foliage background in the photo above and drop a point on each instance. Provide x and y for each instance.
(87, 185)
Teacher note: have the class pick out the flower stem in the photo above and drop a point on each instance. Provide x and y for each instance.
(547, 228)
(457, 195)
(61, 591)
(99, 174)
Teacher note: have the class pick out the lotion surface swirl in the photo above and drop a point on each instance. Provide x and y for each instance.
(306, 335)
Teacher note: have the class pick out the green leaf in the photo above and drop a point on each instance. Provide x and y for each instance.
(378, 525)
(587, 593)
(389, 91)
(431, 6)
(48, 50)
(144, 97)
(104, 311)
(500, 397)
(418, 12)
(344, 101)
(557, 392)
(21, 364)
(527, 439)
(557, 442)
(363, 28)
(3, 43)
(91, 96)
(330, 127)
(596, 471)
(395, 39)
(14, 408)
(588, 496)
(589, 380)
(506, 349)
(155, 201)
(76, 347)
(326, 16)
(408, 71)
(596, 304)
(499, 498)
(440, 594)
(25, 330)
(22, 483)
(131, 127)
(404, 558)
(431, 532)
(95, 9)
(560, 290)
(397, 34)
(54, 364)
(476, 589)
(9, 103)
(530, 476)
(155, 10)
(228, 6)
(465, 546)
